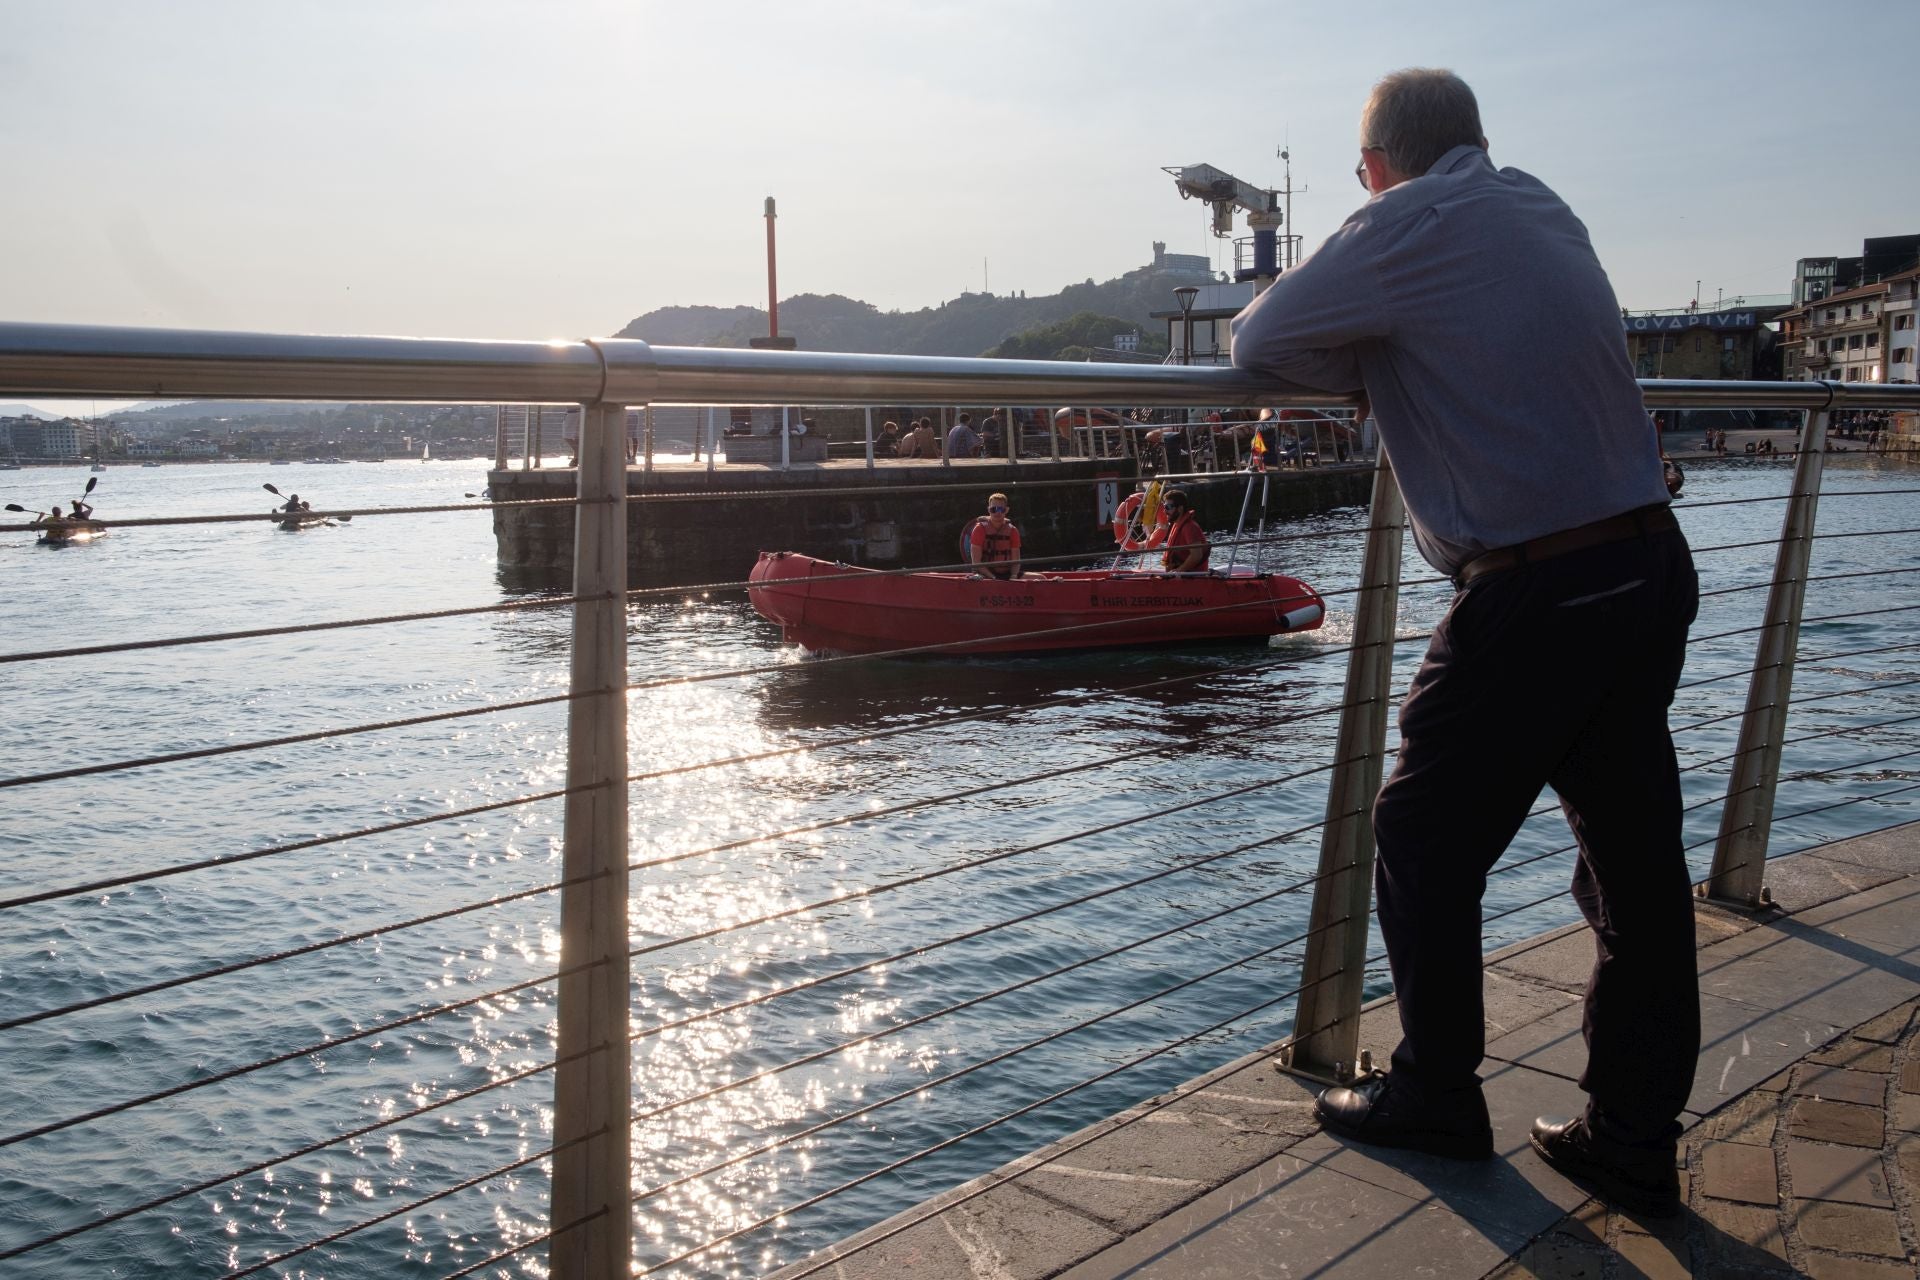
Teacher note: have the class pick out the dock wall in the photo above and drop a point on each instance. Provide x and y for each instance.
(700, 526)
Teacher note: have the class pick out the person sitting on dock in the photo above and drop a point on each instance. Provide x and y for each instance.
(1187, 546)
(962, 440)
(920, 442)
(1558, 659)
(887, 443)
(993, 541)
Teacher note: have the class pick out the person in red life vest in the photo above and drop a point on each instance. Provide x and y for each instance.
(993, 541)
(1187, 548)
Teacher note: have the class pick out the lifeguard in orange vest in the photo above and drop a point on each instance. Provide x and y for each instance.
(993, 541)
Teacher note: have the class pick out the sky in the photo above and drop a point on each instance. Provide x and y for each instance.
(498, 168)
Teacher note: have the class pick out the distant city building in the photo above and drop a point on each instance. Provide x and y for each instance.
(1815, 279)
(39, 438)
(1732, 341)
(1863, 334)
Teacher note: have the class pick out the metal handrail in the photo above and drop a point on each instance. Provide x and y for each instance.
(83, 360)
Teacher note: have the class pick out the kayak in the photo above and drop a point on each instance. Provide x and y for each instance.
(823, 605)
(294, 524)
(71, 533)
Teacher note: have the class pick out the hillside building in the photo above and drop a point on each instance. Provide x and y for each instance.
(1863, 334)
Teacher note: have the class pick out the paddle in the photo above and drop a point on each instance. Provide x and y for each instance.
(276, 493)
(14, 506)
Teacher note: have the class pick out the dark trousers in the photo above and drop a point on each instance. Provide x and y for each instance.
(1553, 674)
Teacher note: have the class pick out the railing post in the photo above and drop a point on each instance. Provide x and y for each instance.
(499, 437)
(869, 437)
(1740, 856)
(1327, 1023)
(591, 1085)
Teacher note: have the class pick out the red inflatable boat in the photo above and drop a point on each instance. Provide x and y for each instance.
(838, 607)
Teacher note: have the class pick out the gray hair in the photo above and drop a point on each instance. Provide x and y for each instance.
(1418, 115)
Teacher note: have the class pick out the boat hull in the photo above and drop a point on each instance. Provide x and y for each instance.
(825, 606)
(298, 523)
(72, 535)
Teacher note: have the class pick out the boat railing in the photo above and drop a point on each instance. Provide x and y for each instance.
(1311, 979)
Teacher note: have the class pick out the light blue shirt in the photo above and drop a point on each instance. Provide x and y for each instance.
(1469, 305)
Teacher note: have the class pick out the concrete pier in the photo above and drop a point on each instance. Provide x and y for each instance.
(1802, 1156)
(688, 524)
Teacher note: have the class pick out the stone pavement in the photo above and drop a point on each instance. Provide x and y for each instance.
(1802, 1155)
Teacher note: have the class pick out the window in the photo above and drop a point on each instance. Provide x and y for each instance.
(1853, 343)
(1823, 346)
(1902, 355)
(1903, 322)
(1853, 375)
(1726, 344)
(1846, 313)
(1873, 341)
(1829, 315)
(1696, 344)
(1666, 345)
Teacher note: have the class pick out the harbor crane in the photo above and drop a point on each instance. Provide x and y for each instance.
(1265, 216)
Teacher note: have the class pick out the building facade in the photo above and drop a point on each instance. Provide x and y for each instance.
(1688, 343)
(1846, 337)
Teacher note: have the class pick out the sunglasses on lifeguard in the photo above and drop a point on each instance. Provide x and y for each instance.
(998, 511)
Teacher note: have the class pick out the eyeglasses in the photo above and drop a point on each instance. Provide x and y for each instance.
(998, 511)
(1360, 170)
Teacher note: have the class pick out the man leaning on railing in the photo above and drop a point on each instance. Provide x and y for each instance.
(1467, 303)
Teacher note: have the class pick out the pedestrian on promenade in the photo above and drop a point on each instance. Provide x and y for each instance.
(1531, 480)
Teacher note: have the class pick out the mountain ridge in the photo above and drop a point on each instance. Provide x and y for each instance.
(968, 325)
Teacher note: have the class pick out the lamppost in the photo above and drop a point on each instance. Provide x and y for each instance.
(1186, 293)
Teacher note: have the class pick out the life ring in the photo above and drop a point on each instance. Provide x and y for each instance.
(1146, 505)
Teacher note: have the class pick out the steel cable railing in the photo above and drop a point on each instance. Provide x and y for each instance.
(313, 842)
(1068, 1147)
(544, 1237)
(288, 953)
(311, 1148)
(985, 789)
(211, 1078)
(1027, 1108)
(294, 628)
(410, 1206)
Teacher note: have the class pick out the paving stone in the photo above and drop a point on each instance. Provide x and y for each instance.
(1856, 1055)
(1735, 1236)
(1906, 1114)
(1586, 1225)
(1005, 1233)
(1735, 1171)
(1846, 1174)
(1824, 1266)
(1848, 1228)
(1750, 1118)
(1890, 1027)
(1908, 1155)
(1840, 1122)
(1910, 1074)
(1644, 1256)
(1555, 1258)
(1836, 1084)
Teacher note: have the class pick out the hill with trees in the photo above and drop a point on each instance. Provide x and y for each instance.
(969, 325)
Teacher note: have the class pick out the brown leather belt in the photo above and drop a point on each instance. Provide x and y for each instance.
(1639, 523)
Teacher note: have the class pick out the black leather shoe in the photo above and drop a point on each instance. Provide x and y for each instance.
(1388, 1113)
(1637, 1178)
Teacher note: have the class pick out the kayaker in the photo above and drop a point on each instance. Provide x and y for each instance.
(81, 510)
(295, 506)
(51, 519)
(993, 541)
(1187, 546)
